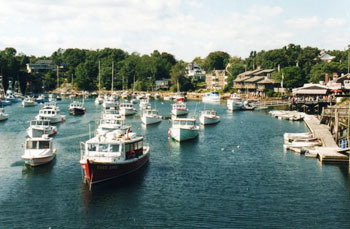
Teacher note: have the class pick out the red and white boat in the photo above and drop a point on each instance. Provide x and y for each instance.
(109, 156)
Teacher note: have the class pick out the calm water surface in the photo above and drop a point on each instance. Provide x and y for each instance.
(234, 175)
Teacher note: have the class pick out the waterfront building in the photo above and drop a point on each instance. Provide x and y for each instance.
(41, 66)
(216, 79)
(255, 81)
(195, 72)
(162, 84)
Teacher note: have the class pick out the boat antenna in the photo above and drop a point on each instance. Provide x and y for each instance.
(89, 130)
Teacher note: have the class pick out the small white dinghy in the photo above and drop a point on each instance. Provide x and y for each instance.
(3, 115)
(209, 117)
(39, 151)
(150, 117)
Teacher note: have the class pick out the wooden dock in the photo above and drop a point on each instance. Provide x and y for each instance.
(330, 150)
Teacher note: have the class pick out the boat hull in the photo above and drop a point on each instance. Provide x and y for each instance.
(24, 104)
(211, 99)
(181, 134)
(148, 120)
(77, 111)
(179, 112)
(206, 120)
(234, 106)
(127, 112)
(39, 161)
(100, 172)
(53, 119)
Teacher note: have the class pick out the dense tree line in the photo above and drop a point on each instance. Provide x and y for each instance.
(132, 70)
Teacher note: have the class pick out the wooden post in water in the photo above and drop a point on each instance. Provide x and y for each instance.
(336, 124)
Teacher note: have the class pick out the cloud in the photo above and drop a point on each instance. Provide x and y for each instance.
(304, 23)
(335, 22)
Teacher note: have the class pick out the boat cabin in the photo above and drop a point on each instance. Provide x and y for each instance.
(48, 112)
(184, 122)
(40, 123)
(209, 113)
(38, 143)
(150, 112)
(126, 105)
(179, 106)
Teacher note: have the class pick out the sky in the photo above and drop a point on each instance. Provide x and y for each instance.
(184, 28)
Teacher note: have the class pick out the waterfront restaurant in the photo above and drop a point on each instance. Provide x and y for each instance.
(311, 92)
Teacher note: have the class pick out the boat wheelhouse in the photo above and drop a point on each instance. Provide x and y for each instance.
(38, 128)
(109, 125)
(39, 151)
(127, 109)
(51, 113)
(179, 109)
(150, 116)
(111, 114)
(208, 117)
(112, 155)
(183, 129)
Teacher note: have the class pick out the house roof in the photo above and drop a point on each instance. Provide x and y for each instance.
(267, 81)
(255, 79)
(311, 92)
(241, 79)
(264, 71)
(44, 62)
(246, 73)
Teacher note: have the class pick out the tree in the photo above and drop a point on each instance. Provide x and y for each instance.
(216, 60)
(293, 77)
(177, 74)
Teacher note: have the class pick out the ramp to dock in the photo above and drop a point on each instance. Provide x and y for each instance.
(330, 150)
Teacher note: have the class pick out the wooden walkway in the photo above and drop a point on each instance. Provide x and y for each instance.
(329, 151)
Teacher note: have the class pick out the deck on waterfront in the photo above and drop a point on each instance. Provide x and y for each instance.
(329, 151)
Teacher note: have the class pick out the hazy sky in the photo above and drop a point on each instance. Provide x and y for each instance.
(185, 28)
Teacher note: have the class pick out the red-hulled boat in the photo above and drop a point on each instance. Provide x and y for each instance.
(109, 156)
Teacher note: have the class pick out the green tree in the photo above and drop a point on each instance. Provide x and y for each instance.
(216, 60)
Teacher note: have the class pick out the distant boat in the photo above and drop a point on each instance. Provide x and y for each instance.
(183, 129)
(209, 117)
(150, 117)
(28, 102)
(39, 151)
(179, 109)
(235, 102)
(211, 97)
(144, 103)
(3, 115)
(77, 108)
(109, 156)
(38, 128)
(50, 112)
(109, 125)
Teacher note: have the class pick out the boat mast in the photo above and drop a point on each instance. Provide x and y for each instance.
(99, 76)
(133, 88)
(112, 75)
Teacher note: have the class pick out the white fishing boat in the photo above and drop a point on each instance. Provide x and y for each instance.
(28, 102)
(112, 155)
(127, 109)
(179, 109)
(109, 102)
(51, 113)
(108, 125)
(144, 103)
(183, 129)
(76, 108)
(39, 151)
(235, 102)
(38, 128)
(209, 117)
(211, 97)
(3, 115)
(150, 116)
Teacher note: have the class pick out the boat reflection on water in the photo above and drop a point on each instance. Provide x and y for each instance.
(43, 169)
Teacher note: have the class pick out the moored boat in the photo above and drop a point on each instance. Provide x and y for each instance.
(235, 102)
(183, 129)
(179, 109)
(50, 112)
(39, 151)
(211, 97)
(150, 116)
(28, 102)
(209, 117)
(109, 156)
(127, 109)
(77, 108)
(3, 115)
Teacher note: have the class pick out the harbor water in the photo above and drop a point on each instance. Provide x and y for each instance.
(235, 174)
